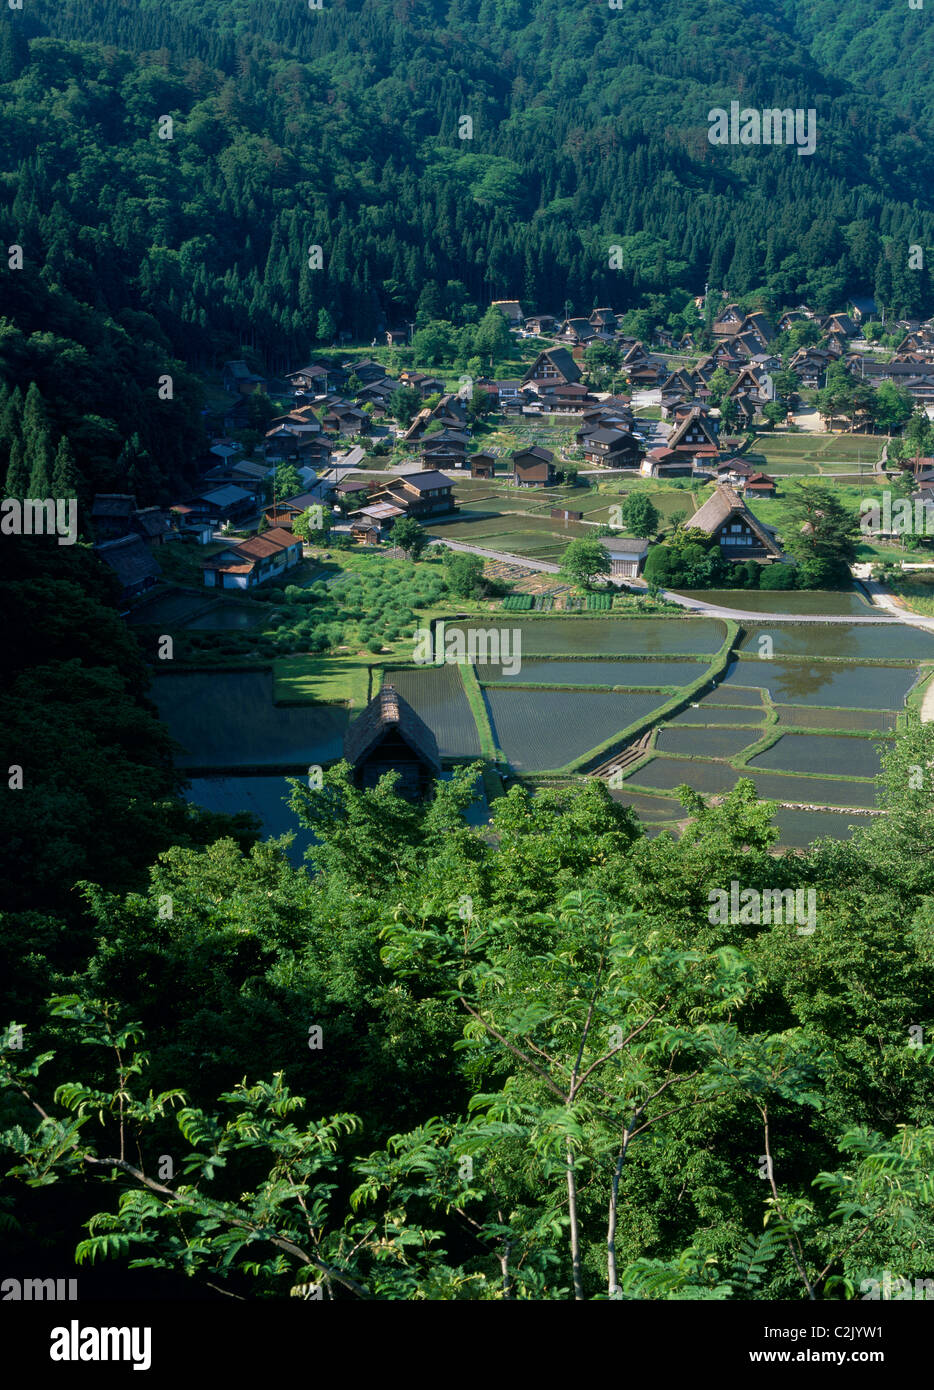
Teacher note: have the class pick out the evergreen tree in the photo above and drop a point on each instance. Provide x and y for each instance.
(40, 460)
(64, 471)
(17, 476)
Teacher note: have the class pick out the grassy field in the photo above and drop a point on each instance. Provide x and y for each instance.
(817, 449)
(324, 678)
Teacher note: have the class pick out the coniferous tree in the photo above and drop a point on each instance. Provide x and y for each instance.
(64, 471)
(17, 475)
(40, 461)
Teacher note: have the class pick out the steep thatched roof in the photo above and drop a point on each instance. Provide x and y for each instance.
(724, 504)
(388, 711)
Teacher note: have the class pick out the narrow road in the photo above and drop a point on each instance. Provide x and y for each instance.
(547, 566)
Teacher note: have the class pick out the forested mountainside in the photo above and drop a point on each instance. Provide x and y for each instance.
(885, 50)
(340, 128)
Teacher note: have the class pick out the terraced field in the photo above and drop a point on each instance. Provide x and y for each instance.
(848, 757)
(828, 683)
(705, 743)
(617, 673)
(543, 729)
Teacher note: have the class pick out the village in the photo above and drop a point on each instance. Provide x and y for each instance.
(339, 495)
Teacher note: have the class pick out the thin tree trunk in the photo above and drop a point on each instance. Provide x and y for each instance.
(575, 1227)
(611, 1223)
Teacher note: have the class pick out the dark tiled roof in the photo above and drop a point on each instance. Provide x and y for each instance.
(118, 504)
(130, 559)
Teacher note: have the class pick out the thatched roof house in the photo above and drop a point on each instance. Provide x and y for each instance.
(741, 535)
(388, 736)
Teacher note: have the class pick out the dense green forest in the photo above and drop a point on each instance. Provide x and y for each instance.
(464, 1065)
(339, 128)
(445, 1063)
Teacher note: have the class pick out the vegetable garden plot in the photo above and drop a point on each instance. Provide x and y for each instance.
(627, 673)
(706, 743)
(436, 693)
(858, 642)
(228, 719)
(846, 757)
(541, 729)
(859, 720)
(827, 683)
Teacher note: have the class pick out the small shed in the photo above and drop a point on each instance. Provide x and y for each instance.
(627, 555)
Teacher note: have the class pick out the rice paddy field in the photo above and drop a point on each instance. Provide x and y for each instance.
(745, 697)
(859, 642)
(715, 778)
(707, 714)
(264, 797)
(594, 637)
(542, 729)
(800, 828)
(828, 683)
(436, 693)
(652, 674)
(847, 756)
(857, 720)
(227, 719)
(706, 743)
(808, 602)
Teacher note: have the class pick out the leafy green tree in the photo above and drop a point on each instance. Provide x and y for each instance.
(492, 340)
(463, 573)
(404, 404)
(821, 533)
(288, 482)
(640, 515)
(409, 535)
(433, 344)
(719, 384)
(893, 406)
(313, 526)
(326, 329)
(582, 561)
